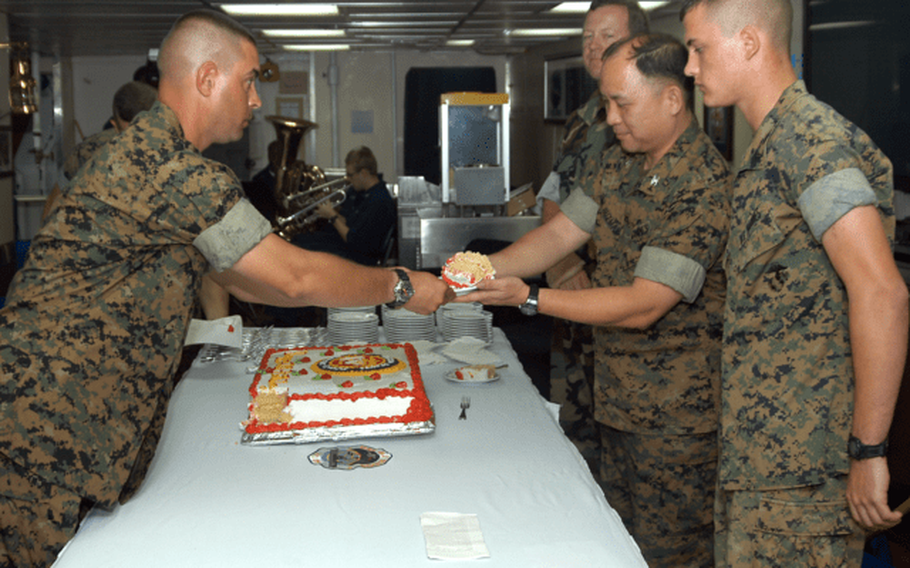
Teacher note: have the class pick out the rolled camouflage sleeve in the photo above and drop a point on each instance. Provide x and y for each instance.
(671, 269)
(689, 240)
(581, 210)
(226, 241)
(828, 199)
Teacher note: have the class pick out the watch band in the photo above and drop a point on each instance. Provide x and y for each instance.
(857, 450)
(529, 307)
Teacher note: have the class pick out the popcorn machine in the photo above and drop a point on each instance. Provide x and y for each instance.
(474, 138)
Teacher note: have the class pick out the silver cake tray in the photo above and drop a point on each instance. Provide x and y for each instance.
(337, 433)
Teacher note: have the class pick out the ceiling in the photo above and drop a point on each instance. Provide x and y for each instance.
(70, 28)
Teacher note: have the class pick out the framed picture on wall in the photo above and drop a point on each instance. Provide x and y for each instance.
(6, 150)
(719, 127)
(567, 86)
(290, 107)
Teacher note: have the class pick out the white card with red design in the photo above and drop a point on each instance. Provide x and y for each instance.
(225, 331)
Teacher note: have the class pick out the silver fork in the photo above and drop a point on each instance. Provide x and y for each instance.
(465, 404)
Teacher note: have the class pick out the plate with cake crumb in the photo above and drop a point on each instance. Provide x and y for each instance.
(473, 374)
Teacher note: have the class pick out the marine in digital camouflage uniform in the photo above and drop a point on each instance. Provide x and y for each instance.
(91, 335)
(656, 389)
(788, 393)
(816, 321)
(659, 218)
(90, 338)
(572, 352)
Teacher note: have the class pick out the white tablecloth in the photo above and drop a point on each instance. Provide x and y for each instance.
(210, 501)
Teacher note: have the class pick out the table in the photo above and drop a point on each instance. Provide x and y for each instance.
(210, 501)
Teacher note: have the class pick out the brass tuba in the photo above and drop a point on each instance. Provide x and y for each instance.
(299, 187)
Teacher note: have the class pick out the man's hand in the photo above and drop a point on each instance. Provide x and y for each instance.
(326, 210)
(429, 292)
(505, 291)
(867, 494)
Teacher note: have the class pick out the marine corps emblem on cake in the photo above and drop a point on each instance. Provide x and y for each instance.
(358, 364)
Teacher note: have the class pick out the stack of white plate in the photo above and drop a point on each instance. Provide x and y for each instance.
(403, 325)
(465, 320)
(353, 325)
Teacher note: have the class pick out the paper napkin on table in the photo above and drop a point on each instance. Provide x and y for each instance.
(425, 353)
(472, 351)
(453, 536)
(225, 331)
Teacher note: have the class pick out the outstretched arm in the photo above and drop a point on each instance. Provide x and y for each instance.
(278, 273)
(540, 248)
(637, 306)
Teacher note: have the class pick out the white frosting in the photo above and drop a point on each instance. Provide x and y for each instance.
(324, 410)
(306, 379)
(462, 278)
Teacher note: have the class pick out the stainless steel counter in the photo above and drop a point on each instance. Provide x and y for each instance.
(440, 238)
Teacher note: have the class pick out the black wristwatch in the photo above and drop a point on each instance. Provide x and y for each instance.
(403, 291)
(860, 451)
(529, 308)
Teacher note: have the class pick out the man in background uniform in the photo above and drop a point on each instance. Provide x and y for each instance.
(129, 100)
(587, 135)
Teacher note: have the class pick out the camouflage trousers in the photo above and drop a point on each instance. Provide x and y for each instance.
(572, 384)
(809, 527)
(663, 489)
(36, 519)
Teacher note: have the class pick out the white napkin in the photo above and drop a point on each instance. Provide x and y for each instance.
(453, 536)
(225, 331)
(425, 352)
(472, 351)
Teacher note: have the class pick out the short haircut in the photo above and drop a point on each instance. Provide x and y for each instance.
(217, 21)
(661, 57)
(133, 98)
(362, 159)
(775, 17)
(638, 19)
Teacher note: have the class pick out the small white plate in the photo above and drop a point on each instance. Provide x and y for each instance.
(463, 291)
(450, 376)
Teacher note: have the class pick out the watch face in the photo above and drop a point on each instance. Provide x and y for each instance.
(403, 290)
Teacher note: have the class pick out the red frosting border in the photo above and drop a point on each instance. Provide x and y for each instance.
(418, 411)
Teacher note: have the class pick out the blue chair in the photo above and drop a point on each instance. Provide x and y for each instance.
(881, 553)
(22, 253)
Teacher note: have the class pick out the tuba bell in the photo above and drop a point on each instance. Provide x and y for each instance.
(299, 187)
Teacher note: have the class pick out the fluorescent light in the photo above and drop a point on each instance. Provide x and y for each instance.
(582, 7)
(317, 47)
(570, 8)
(460, 42)
(526, 32)
(840, 25)
(299, 9)
(303, 33)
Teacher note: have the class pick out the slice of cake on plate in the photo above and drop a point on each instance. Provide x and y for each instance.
(465, 269)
